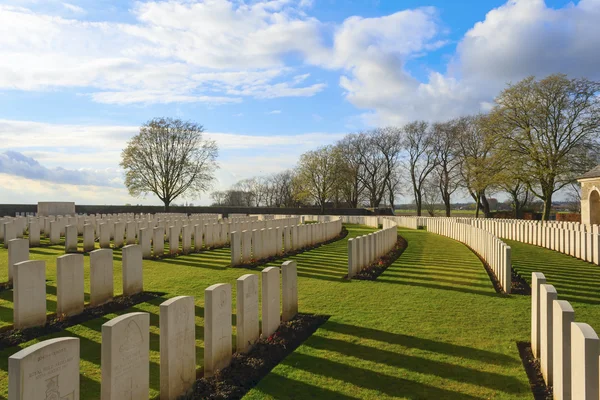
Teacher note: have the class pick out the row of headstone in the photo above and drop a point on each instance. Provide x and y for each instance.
(568, 351)
(366, 249)
(257, 244)
(494, 251)
(50, 369)
(29, 281)
(573, 238)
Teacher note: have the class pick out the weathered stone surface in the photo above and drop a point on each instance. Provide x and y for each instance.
(54, 232)
(563, 315)
(247, 324)
(34, 233)
(125, 357)
(101, 276)
(246, 246)
(69, 284)
(289, 290)
(177, 346)
(119, 234)
(132, 270)
(173, 239)
(18, 251)
(46, 370)
(236, 248)
(145, 240)
(270, 300)
(71, 239)
(88, 238)
(584, 362)
(217, 328)
(158, 241)
(352, 258)
(537, 279)
(104, 236)
(29, 294)
(547, 296)
(186, 239)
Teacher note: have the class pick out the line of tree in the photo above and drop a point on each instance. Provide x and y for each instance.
(537, 138)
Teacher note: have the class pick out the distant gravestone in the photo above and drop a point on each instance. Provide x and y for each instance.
(247, 323)
(186, 239)
(173, 239)
(34, 233)
(177, 347)
(132, 270)
(119, 234)
(104, 236)
(270, 300)
(29, 294)
(217, 328)
(88, 238)
(46, 370)
(101, 276)
(18, 251)
(158, 241)
(71, 238)
(145, 241)
(289, 287)
(8, 228)
(69, 284)
(130, 231)
(125, 360)
(246, 246)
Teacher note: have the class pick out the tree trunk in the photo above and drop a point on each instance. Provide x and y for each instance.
(547, 207)
(418, 203)
(486, 207)
(167, 205)
(477, 205)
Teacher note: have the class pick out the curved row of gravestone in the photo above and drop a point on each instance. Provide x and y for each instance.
(247, 245)
(363, 250)
(568, 351)
(50, 369)
(29, 281)
(573, 238)
(494, 251)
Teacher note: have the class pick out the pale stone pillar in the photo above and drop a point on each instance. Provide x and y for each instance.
(18, 251)
(145, 241)
(507, 274)
(289, 287)
(158, 241)
(563, 315)
(352, 258)
(537, 279)
(197, 237)
(287, 238)
(104, 236)
(246, 246)
(270, 300)
(186, 239)
(48, 369)
(101, 276)
(54, 232)
(584, 362)
(119, 239)
(247, 324)
(125, 360)
(69, 284)
(132, 269)
(34, 233)
(71, 239)
(130, 232)
(547, 296)
(217, 328)
(29, 294)
(177, 346)
(88, 238)
(173, 239)
(236, 248)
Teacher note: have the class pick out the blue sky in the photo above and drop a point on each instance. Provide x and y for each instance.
(267, 79)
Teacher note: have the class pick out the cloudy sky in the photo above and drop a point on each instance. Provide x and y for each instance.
(268, 79)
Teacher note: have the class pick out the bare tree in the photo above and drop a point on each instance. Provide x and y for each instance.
(169, 158)
(418, 142)
(350, 182)
(447, 151)
(317, 171)
(551, 123)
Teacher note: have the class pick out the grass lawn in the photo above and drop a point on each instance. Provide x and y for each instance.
(430, 327)
(575, 280)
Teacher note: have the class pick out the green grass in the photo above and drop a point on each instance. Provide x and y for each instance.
(430, 327)
(575, 280)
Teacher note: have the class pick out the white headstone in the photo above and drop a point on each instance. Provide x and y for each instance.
(125, 357)
(132, 270)
(247, 323)
(217, 328)
(270, 300)
(46, 370)
(29, 294)
(69, 284)
(18, 251)
(101, 276)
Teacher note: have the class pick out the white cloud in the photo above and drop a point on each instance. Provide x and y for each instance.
(274, 112)
(519, 39)
(172, 52)
(73, 8)
(58, 155)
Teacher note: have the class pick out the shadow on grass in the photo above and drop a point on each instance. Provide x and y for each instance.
(419, 343)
